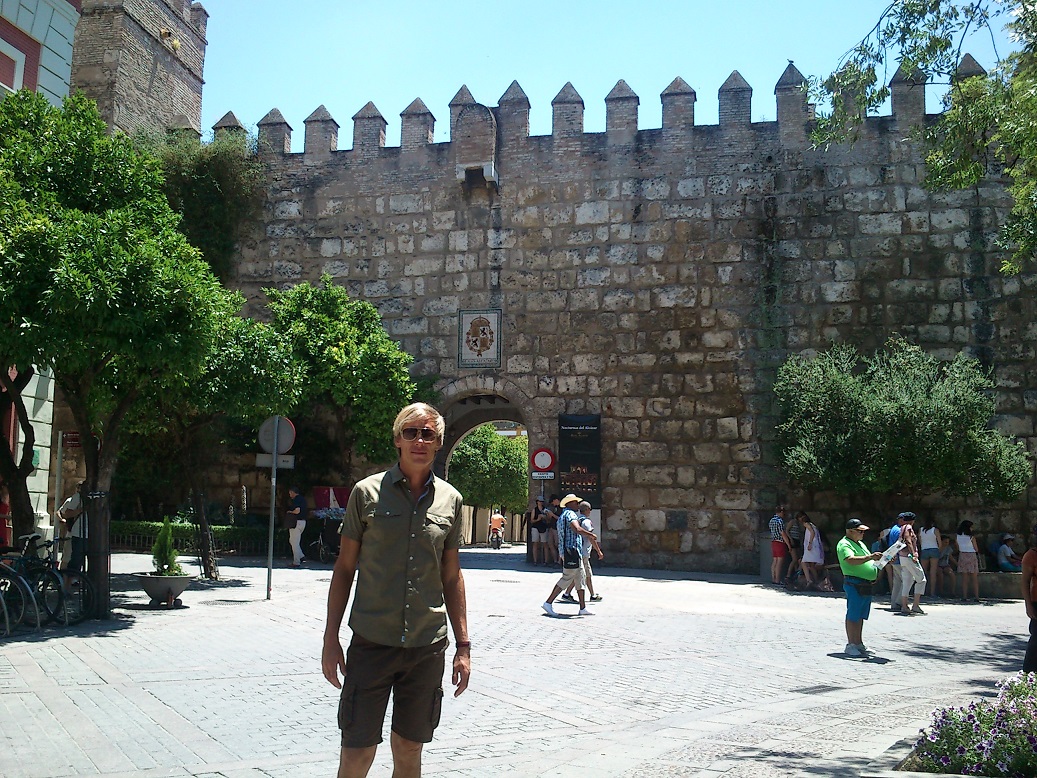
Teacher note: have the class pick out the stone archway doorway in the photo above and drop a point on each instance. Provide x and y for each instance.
(463, 417)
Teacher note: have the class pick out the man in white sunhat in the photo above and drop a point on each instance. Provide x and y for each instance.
(570, 548)
(859, 574)
(589, 545)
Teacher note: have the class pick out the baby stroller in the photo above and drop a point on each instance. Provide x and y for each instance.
(328, 511)
(325, 547)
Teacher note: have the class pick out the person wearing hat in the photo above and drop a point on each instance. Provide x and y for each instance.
(1007, 560)
(859, 573)
(570, 550)
(1029, 586)
(910, 569)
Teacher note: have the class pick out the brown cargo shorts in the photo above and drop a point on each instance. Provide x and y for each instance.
(413, 675)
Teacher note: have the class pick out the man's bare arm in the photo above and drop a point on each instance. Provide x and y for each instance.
(332, 659)
(457, 612)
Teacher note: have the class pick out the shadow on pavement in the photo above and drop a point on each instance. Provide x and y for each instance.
(1004, 653)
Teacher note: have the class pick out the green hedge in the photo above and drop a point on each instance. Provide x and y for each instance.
(244, 541)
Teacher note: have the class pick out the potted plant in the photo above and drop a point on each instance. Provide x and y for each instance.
(168, 581)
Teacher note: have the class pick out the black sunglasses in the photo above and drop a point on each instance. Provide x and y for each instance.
(427, 435)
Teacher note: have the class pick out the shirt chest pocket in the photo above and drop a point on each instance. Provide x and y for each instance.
(436, 528)
(386, 523)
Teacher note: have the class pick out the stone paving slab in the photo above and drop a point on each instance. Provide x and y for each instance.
(674, 675)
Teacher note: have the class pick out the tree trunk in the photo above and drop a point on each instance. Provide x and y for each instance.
(209, 568)
(15, 473)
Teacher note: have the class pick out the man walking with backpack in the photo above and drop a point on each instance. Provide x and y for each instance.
(570, 548)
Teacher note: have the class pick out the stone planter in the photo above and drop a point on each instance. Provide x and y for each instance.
(164, 589)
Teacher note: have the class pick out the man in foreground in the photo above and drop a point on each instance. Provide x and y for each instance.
(401, 534)
(859, 574)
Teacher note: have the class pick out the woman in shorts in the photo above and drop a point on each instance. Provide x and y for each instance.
(929, 553)
(968, 560)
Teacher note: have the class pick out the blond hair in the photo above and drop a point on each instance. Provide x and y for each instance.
(417, 411)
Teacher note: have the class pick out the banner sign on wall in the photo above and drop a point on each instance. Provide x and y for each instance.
(579, 457)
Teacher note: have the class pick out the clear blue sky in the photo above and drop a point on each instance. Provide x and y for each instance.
(297, 55)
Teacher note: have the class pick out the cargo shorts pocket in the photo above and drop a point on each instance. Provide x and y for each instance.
(437, 708)
(347, 706)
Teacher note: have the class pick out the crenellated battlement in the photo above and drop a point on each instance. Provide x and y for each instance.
(511, 117)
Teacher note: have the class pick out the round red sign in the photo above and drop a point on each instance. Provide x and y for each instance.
(543, 459)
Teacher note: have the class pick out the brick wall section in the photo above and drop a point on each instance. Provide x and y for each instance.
(142, 61)
(660, 282)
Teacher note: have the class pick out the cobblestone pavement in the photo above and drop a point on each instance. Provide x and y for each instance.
(675, 675)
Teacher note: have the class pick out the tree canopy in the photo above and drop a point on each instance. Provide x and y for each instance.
(353, 371)
(899, 421)
(491, 470)
(990, 122)
(215, 186)
(97, 284)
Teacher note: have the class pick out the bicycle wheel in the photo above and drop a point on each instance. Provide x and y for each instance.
(5, 621)
(78, 603)
(49, 595)
(21, 604)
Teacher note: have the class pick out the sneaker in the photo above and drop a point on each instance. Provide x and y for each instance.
(863, 649)
(918, 610)
(595, 598)
(549, 609)
(584, 612)
(852, 650)
(568, 598)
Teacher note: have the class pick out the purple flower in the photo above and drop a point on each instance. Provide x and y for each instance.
(945, 760)
(960, 750)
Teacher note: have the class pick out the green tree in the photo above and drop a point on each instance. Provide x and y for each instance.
(899, 422)
(216, 187)
(491, 470)
(355, 376)
(990, 124)
(249, 374)
(96, 282)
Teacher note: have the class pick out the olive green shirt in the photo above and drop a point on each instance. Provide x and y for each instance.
(398, 600)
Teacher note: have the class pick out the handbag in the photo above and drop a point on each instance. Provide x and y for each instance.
(571, 559)
(289, 521)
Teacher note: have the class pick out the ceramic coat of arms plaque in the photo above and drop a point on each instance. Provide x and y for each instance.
(478, 338)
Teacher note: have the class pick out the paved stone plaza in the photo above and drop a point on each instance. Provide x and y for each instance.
(675, 675)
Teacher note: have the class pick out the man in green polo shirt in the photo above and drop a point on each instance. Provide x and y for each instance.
(400, 536)
(859, 574)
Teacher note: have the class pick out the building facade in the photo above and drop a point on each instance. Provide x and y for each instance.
(36, 39)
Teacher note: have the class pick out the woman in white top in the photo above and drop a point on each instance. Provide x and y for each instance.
(968, 560)
(929, 553)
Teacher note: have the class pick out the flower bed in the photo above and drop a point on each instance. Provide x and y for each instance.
(990, 738)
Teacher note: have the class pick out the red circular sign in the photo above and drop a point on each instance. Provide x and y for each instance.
(543, 459)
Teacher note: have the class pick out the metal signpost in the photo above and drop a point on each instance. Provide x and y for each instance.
(276, 437)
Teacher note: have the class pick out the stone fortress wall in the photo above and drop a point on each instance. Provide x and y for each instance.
(655, 276)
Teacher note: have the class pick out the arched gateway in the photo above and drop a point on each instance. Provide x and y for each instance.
(475, 400)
